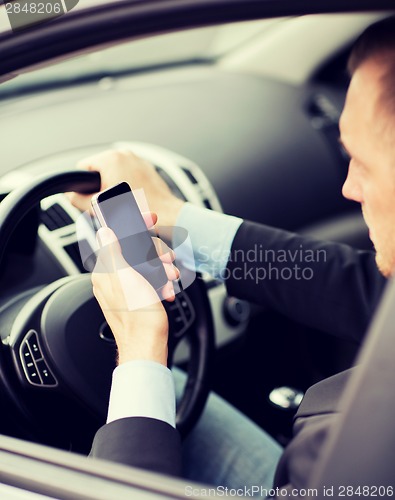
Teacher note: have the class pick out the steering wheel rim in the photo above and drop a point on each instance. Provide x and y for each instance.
(201, 336)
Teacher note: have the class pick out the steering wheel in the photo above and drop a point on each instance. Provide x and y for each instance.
(59, 353)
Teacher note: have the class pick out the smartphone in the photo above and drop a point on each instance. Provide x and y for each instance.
(117, 209)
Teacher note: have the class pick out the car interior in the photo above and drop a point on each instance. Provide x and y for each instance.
(239, 117)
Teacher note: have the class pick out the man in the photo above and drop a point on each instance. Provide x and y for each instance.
(339, 299)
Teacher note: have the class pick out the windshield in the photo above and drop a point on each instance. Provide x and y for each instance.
(191, 46)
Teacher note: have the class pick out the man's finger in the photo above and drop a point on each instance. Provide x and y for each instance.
(80, 201)
(168, 292)
(171, 271)
(150, 219)
(165, 253)
(92, 163)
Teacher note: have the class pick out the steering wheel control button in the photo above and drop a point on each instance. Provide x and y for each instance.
(46, 376)
(188, 313)
(181, 315)
(32, 374)
(34, 347)
(26, 355)
(36, 371)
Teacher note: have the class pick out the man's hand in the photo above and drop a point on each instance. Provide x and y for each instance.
(130, 304)
(116, 166)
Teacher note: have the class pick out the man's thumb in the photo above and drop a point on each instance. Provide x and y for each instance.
(105, 236)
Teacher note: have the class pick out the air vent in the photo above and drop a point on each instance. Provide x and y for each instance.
(322, 111)
(172, 185)
(74, 253)
(190, 176)
(55, 217)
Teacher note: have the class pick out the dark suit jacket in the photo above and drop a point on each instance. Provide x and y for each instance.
(340, 291)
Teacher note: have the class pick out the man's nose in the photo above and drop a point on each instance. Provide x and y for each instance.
(351, 188)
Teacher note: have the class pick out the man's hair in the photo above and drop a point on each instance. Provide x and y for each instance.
(378, 42)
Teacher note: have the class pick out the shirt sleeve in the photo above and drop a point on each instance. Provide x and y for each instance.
(211, 234)
(142, 389)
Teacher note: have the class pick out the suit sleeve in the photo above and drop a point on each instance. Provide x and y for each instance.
(328, 286)
(142, 442)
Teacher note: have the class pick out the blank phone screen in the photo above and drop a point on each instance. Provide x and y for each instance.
(122, 214)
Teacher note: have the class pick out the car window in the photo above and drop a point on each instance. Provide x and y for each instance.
(203, 44)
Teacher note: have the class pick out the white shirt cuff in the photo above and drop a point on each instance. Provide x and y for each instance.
(211, 234)
(142, 389)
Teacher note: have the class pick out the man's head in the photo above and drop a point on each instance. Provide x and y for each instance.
(367, 127)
